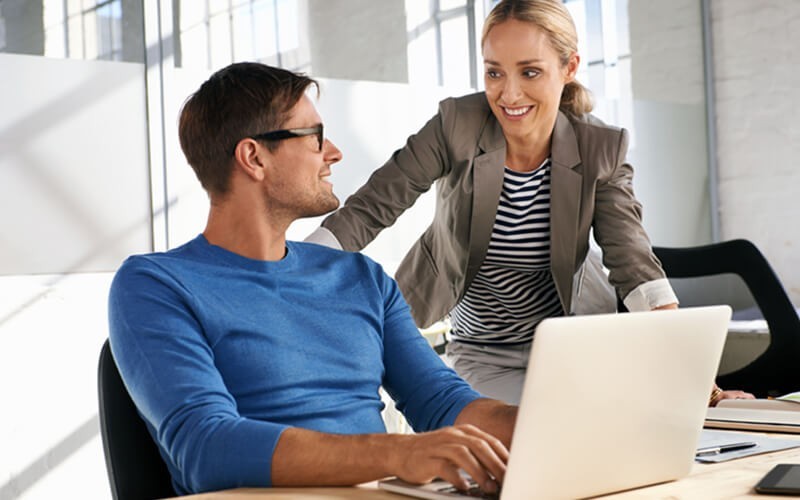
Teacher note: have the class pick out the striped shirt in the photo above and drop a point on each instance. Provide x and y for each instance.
(514, 289)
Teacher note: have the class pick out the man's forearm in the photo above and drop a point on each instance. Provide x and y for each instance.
(307, 458)
(492, 416)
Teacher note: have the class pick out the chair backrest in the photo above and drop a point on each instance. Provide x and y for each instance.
(136, 470)
(775, 371)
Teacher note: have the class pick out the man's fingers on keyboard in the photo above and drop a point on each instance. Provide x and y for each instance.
(452, 475)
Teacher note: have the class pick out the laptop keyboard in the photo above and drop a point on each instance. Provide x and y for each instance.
(473, 492)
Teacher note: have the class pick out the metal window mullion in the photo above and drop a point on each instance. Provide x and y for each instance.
(711, 120)
(230, 31)
(253, 46)
(437, 27)
(472, 44)
(156, 15)
(207, 19)
(279, 59)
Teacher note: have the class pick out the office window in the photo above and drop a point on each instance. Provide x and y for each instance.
(604, 45)
(83, 30)
(442, 47)
(214, 33)
(73, 29)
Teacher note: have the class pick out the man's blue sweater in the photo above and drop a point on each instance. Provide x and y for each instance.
(221, 353)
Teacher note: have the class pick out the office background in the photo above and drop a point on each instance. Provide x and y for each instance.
(91, 171)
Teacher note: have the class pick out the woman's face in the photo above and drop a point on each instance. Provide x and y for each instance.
(524, 79)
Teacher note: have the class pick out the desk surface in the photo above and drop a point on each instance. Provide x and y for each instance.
(732, 479)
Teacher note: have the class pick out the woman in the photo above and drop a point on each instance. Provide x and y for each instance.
(524, 174)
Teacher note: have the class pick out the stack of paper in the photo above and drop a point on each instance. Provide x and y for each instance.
(781, 414)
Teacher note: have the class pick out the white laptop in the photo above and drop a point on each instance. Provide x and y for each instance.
(611, 402)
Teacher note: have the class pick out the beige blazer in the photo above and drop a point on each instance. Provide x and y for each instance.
(463, 148)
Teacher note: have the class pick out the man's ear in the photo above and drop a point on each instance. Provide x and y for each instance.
(251, 158)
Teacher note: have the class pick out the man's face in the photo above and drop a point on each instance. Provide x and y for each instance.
(298, 182)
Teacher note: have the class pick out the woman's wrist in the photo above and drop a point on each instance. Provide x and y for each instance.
(716, 396)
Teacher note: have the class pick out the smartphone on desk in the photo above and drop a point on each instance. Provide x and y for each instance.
(783, 479)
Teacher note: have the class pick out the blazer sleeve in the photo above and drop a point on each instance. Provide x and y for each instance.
(627, 251)
(393, 188)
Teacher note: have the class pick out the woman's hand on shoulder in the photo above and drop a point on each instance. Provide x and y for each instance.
(665, 307)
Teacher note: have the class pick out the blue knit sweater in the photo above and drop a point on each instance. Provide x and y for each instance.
(221, 353)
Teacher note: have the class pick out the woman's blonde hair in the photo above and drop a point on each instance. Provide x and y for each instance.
(553, 18)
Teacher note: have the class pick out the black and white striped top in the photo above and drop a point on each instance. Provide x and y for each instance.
(514, 289)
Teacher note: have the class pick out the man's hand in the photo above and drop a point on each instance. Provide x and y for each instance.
(309, 458)
(442, 453)
(478, 444)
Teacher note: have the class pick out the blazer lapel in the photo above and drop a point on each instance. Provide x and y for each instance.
(565, 205)
(487, 175)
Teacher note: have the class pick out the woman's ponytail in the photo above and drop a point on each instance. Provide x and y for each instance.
(576, 99)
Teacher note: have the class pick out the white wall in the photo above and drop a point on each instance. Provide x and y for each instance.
(52, 327)
(669, 149)
(358, 39)
(756, 61)
(756, 64)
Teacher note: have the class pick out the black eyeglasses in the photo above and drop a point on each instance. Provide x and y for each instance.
(277, 135)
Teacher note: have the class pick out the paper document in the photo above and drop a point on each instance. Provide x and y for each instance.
(787, 402)
(792, 396)
(753, 419)
(760, 404)
(749, 326)
(763, 444)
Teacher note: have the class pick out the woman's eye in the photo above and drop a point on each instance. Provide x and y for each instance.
(530, 73)
(492, 74)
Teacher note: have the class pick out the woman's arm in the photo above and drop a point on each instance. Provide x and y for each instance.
(634, 269)
(391, 189)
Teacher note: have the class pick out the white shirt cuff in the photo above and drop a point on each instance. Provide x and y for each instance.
(650, 295)
(324, 237)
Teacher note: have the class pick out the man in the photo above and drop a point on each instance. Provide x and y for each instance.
(256, 361)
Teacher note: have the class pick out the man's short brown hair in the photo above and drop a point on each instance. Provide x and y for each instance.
(238, 101)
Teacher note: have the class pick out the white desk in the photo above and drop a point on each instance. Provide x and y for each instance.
(726, 480)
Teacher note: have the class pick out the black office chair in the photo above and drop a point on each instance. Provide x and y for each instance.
(136, 470)
(777, 370)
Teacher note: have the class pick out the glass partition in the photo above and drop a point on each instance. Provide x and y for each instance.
(74, 144)
(76, 197)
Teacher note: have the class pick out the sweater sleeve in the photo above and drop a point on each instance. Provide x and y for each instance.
(168, 368)
(428, 392)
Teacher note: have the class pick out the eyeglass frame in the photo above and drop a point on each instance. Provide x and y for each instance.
(288, 133)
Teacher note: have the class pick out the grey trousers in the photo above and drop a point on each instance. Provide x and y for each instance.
(496, 372)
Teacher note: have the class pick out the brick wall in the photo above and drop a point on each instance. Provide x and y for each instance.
(757, 70)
